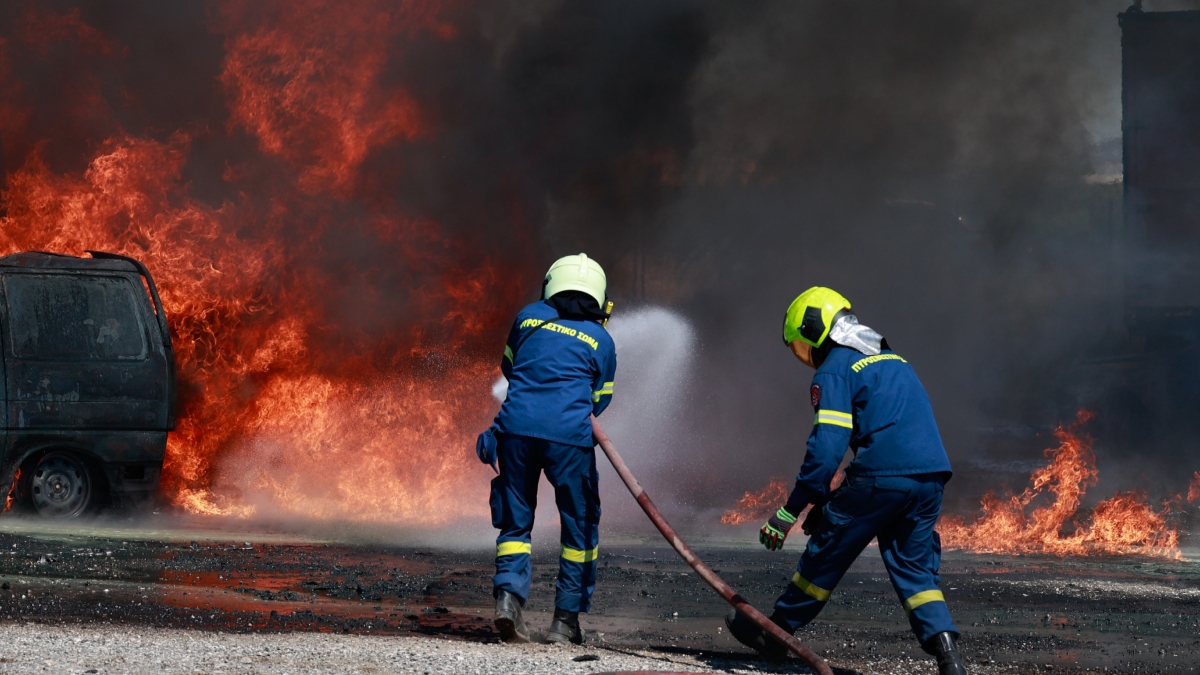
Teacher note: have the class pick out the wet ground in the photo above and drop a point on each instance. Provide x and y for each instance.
(1018, 614)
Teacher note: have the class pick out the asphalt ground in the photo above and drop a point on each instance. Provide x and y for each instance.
(260, 593)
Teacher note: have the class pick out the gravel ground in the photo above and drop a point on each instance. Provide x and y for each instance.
(35, 648)
(131, 600)
(92, 650)
(1090, 589)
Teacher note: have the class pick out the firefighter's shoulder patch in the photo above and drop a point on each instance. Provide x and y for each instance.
(815, 394)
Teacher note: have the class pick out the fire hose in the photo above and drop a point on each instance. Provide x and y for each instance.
(710, 577)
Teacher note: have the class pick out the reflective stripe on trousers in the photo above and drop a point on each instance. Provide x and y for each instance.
(572, 472)
(899, 511)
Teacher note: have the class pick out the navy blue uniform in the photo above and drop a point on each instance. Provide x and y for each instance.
(560, 372)
(876, 406)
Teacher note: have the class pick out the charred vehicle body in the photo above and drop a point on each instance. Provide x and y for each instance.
(89, 382)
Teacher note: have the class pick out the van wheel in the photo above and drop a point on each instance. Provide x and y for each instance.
(60, 486)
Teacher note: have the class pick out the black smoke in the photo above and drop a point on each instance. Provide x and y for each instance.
(953, 168)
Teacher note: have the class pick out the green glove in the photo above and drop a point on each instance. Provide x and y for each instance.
(775, 530)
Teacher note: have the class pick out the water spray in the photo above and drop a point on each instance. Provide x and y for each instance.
(710, 577)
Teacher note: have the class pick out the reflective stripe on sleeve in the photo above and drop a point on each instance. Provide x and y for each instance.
(606, 390)
(915, 601)
(575, 555)
(508, 353)
(513, 548)
(815, 592)
(837, 419)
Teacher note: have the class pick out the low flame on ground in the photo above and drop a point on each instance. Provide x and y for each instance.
(1125, 524)
(758, 506)
(754, 506)
(1122, 525)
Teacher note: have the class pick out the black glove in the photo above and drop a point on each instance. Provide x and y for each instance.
(814, 519)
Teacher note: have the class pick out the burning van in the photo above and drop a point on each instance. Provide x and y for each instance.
(89, 382)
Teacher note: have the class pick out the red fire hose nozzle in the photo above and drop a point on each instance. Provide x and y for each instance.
(739, 603)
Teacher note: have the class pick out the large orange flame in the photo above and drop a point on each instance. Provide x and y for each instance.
(309, 387)
(1124, 524)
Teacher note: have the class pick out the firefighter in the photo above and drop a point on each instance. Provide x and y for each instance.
(868, 398)
(560, 364)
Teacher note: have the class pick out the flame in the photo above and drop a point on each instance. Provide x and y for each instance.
(11, 497)
(330, 110)
(755, 506)
(311, 385)
(1123, 525)
(1194, 487)
(1127, 524)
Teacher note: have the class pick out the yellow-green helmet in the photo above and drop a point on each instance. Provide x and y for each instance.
(811, 315)
(576, 273)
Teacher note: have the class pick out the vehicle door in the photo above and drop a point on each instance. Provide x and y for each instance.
(80, 353)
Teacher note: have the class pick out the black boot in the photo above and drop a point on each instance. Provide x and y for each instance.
(748, 633)
(950, 661)
(508, 618)
(564, 628)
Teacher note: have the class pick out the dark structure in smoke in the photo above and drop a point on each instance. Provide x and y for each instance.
(1147, 384)
(1160, 108)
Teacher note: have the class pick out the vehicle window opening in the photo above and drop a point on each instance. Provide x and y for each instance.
(73, 317)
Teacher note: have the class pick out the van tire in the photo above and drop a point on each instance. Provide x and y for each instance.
(60, 486)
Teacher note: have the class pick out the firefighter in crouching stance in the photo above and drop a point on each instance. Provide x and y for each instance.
(560, 364)
(867, 398)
